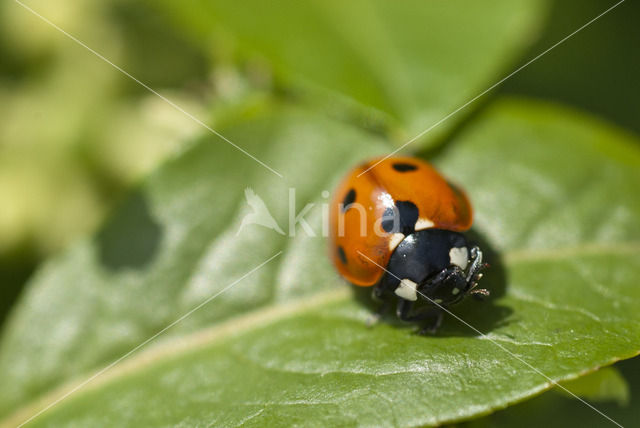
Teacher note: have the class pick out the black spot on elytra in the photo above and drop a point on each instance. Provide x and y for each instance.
(349, 198)
(342, 255)
(404, 167)
(401, 218)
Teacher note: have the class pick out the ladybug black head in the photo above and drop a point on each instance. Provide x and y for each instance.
(433, 264)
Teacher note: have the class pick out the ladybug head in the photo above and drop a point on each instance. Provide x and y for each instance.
(436, 265)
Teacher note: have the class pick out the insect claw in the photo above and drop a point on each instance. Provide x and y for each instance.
(480, 292)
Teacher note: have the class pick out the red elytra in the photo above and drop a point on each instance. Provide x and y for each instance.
(358, 243)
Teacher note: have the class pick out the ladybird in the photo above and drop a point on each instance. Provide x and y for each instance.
(398, 227)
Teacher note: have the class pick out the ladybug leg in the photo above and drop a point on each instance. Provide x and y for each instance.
(434, 315)
(453, 276)
(378, 294)
(382, 310)
(476, 264)
(435, 325)
(448, 274)
(475, 274)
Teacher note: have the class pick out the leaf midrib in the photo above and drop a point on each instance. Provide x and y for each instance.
(235, 326)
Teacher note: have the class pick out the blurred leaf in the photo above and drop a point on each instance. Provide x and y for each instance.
(49, 194)
(595, 70)
(555, 195)
(412, 62)
(553, 410)
(15, 268)
(141, 134)
(152, 52)
(70, 138)
(183, 221)
(606, 384)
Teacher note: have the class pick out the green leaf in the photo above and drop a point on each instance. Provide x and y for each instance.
(596, 52)
(174, 243)
(409, 64)
(553, 410)
(606, 384)
(555, 198)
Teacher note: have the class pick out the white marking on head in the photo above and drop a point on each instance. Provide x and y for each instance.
(459, 257)
(395, 240)
(423, 223)
(407, 290)
(455, 291)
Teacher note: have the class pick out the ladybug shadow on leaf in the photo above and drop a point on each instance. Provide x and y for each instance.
(472, 317)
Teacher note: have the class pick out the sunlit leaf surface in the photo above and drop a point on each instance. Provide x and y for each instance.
(556, 205)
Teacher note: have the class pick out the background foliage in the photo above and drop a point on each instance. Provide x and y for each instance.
(75, 136)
